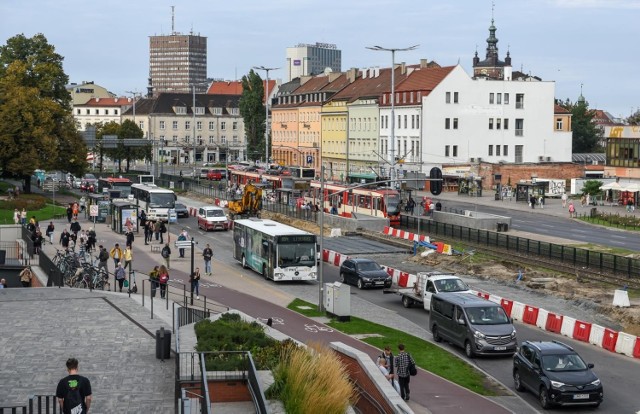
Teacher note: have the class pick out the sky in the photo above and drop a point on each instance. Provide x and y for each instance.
(588, 44)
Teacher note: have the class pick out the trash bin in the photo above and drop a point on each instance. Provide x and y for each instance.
(163, 344)
(594, 212)
(3, 256)
(497, 196)
(505, 226)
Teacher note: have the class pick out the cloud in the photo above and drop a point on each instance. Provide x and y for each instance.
(597, 4)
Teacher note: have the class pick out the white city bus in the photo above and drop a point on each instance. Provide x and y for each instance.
(275, 250)
(157, 202)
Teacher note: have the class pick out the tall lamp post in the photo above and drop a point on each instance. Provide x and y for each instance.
(393, 99)
(266, 119)
(193, 120)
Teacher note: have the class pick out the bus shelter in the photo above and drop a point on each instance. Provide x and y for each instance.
(121, 212)
(524, 191)
(103, 205)
(470, 186)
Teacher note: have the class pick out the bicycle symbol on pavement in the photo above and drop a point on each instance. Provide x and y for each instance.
(317, 328)
(208, 285)
(274, 320)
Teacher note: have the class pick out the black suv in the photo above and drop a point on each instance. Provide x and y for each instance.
(556, 373)
(364, 273)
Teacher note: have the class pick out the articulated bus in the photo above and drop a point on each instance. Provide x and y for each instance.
(377, 202)
(155, 201)
(116, 187)
(275, 250)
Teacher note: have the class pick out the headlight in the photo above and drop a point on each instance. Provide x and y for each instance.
(596, 383)
(478, 335)
(557, 384)
(513, 333)
(366, 279)
(312, 274)
(278, 275)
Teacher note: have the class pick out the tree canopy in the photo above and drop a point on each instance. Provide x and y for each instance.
(252, 109)
(634, 119)
(37, 129)
(587, 136)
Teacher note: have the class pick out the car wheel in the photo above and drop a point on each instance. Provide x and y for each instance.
(516, 381)
(360, 284)
(407, 302)
(544, 398)
(436, 334)
(342, 278)
(244, 262)
(468, 349)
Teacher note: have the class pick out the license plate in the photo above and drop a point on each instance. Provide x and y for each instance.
(499, 348)
(580, 396)
(296, 278)
(379, 283)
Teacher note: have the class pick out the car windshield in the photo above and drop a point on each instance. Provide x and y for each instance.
(301, 254)
(451, 285)
(180, 207)
(487, 315)
(563, 362)
(215, 213)
(368, 266)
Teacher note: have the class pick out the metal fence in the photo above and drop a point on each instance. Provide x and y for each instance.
(574, 256)
(37, 404)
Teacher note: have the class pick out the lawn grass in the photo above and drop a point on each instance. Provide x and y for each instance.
(427, 355)
(305, 308)
(42, 215)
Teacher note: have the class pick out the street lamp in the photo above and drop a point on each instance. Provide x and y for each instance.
(266, 119)
(393, 98)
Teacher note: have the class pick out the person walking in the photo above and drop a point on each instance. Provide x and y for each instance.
(207, 254)
(65, 237)
(184, 236)
(23, 217)
(156, 229)
(163, 230)
(74, 391)
(75, 227)
(532, 201)
(69, 213)
(37, 242)
(387, 355)
(116, 254)
(194, 278)
(148, 232)
(166, 253)
(564, 200)
(163, 279)
(129, 238)
(103, 258)
(49, 232)
(128, 257)
(92, 237)
(402, 361)
(572, 210)
(120, 275)
(16, 216)
(153, 280)
(26, 276)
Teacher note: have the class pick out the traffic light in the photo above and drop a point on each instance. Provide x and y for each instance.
(436, 181)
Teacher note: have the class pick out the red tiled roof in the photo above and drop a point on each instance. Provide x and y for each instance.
(235, 87)
(424, 79)
(108, 102)
(557, 109)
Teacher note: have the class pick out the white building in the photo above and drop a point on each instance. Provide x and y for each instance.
(100, 110)
(306, 59)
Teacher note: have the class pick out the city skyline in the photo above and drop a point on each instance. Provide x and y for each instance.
(571, 42)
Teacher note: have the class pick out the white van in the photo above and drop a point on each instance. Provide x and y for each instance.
(212, 218)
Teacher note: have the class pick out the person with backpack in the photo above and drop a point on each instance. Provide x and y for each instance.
(402, 363)
(74, 391)
(194, 278)
(163, 230)
(166, 253)
(120, 275)
(153, 280)
(103, 258)
(163, 279)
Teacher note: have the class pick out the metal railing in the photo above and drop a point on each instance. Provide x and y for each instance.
(37, 404)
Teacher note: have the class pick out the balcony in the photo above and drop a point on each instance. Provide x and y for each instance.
(519, 132)
(519, 105)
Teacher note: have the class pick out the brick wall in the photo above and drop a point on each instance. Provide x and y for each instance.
(517, 172)
(223, 391)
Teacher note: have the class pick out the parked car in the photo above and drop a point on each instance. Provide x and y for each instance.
(212, 218)
(557, 374)
(88, 186)
(364, 273)
(181, 210)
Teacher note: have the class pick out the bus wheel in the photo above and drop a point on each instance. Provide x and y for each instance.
(244, 262)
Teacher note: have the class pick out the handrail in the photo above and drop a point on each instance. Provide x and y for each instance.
(206, 403)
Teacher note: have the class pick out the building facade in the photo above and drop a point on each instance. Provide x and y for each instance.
(307, 59)
(81, 93)
(100, 111)
(211, 131)
(176, 62)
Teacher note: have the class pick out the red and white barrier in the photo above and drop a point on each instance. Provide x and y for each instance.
(517, 310)
(530, 315)
(581, 331)
(541, 321)
(507, 305)
(495, 299)
(627, 344)
(554, 323)
(568, 325)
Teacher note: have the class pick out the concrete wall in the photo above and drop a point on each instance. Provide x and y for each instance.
(472, 219)
(360, 221)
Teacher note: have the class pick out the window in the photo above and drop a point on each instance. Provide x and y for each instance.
(234, 126)
(498, 150)
(413, 121)
(199, 110)
(455, 123)
(447, 98)
(87, 111)
(199, 125)
(490, 123)
(180, 110)
(211, 139)
(455, 97)
(174, 138)
(78, 111)
(506, 99)
(491, 98)
(405, 122)
(506, 123)
(519, 127)
(97, 111)
(446, 150)
(519, 150)
(223, 125)
(559, 124)
(505, 150)
(106, 112)
(455, 150)
(141, 124)
(187, 125)
(447, 123)
(381, 122)
(115, 112)
(212, 125)
(418, 121)
(498, 123)
(399, 121)
(490, 150)
(519, 100)
(175, 125)
(499, 99)
(187, 138)
(161, 124)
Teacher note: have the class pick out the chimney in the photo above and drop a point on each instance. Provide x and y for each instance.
(424, 63)
(352, 74)
(334, 75)
(403, 68)
(377, 71)
(304, 79)
(116, 100)
(97, 100)
(508, 73)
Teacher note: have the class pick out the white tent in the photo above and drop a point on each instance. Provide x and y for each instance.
(630, 187)
(612, 186)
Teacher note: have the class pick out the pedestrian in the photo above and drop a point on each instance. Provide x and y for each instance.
(572, 210)
(401, 363)
(195, 282)
(49, 232)
(116, 254)
(163, 279)
(83, 238)
(438, 206)
(207, 254)
(103, 258)
(163, 230)
(541, 200)
(16, 216)
(23, 217)
(75, 227)
(69, 213)
(564, 200)
(384, 369)
(37, 242)
(156, 230)
(387, 355)
(184, 236)
(588, 199)
(65, 238)
(583, 200)
(92, 238)
(74, 210)
(143, 218)
(26, 276)
(153, 280)
(74, 391)
(166, 253)
(411, 205)
(148, 232)
(120, 275)
(532, 201)
(128, 257)
(3, 283)
(432, 207)
(129, 238)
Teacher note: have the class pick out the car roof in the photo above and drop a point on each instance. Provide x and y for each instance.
(180, 204)
(465, 299)
(361, 260)
(212, 208)
(550, 347)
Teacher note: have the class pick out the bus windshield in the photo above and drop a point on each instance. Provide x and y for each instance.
(299, 254)
(392, 201)
(125, 189)
(162, 200)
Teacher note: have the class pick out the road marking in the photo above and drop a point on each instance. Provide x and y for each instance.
(316, 328)
(274, 320)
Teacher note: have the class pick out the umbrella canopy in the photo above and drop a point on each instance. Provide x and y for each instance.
(612, 186)
(630, 187)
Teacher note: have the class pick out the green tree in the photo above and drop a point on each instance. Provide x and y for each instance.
(634, 119)
(110, 128)
(592, 187)
(37, 129)
(587, 136)
(252, 109)
(129, 130)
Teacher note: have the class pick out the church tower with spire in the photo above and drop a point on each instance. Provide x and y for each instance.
(492, 67)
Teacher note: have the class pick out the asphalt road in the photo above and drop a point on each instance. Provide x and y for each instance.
(618, 373)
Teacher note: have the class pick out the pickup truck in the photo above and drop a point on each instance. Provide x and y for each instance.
(425, 285)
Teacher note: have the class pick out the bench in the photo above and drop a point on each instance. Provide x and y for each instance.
(156, 248)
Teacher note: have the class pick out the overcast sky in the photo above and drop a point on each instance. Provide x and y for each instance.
(572, 42)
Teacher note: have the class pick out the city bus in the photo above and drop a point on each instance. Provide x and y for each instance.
(116, 187)
(157, 202)
(275, 250)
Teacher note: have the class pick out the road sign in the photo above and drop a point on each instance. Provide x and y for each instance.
(183, 244)
(309, 159)
(93, 210)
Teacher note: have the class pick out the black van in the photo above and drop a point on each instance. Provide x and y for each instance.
(478, 325)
